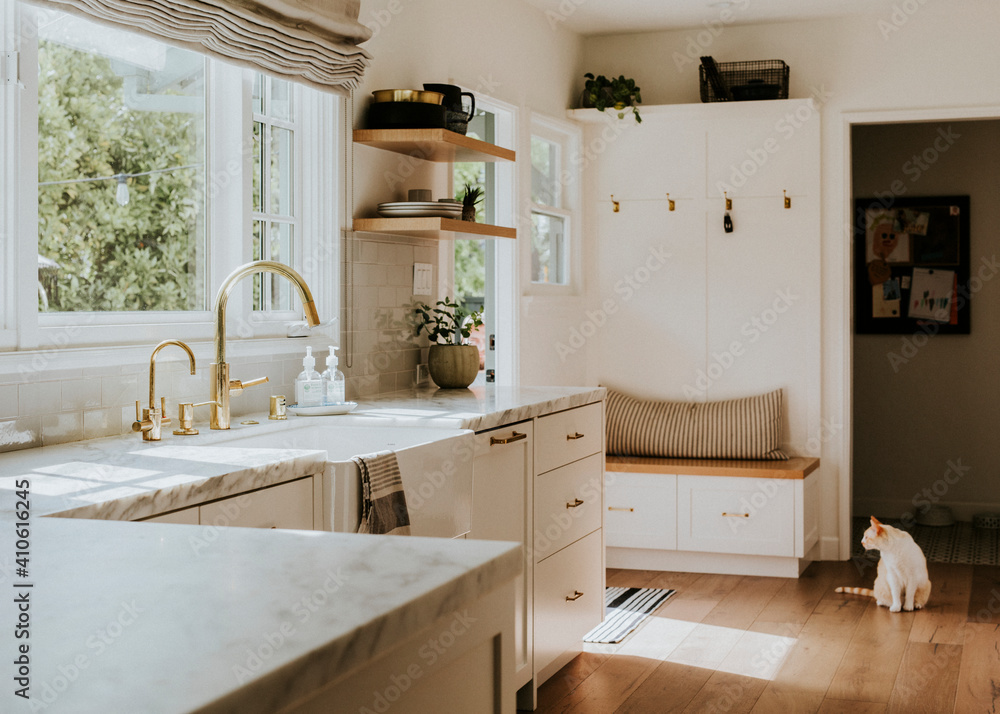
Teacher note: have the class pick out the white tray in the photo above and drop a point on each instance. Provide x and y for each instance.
(323, 409)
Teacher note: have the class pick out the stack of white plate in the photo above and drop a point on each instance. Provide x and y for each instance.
(420, 209)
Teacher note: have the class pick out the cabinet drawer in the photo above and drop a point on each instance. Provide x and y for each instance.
(287, 505)
(724, 514)
(567, 504)
(569, 598)
(640, 510)
(567, 436)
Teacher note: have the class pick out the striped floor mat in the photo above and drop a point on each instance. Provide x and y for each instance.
(625, 609)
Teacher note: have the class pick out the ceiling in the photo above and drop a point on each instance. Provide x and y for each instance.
(605, 17)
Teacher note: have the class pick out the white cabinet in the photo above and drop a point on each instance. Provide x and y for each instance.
(641, 511)
(501, 510)
(568, 435)
(285, 505)
(688, 311)
(567, 504)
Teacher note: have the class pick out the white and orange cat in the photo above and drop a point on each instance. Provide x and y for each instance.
(902, 582)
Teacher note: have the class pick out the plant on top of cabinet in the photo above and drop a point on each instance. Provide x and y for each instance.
(600, 92)
(452, 363)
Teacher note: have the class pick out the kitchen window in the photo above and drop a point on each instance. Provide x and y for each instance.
(552, 203)
(143, 175)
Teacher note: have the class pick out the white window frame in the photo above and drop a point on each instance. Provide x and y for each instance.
(316, 253)
(568, 137)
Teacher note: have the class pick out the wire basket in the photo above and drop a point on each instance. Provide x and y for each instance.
(757, 79)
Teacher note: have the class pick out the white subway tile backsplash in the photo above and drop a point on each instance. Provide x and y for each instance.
(123, 390)
(63, 427)
(37, 398)
(98, 423)
(8, 401)
(81, 394)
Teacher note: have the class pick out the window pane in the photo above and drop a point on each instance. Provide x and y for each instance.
(281, 251)
(548, 249)
(281, 171)
(258, 167)
(280, 104)
(258, 93)
(545, 172)
(121, 170)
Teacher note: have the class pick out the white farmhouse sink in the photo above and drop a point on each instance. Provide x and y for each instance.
(435, 465)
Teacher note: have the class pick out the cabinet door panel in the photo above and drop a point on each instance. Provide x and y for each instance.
(641, 511)
(287, 505)
(651, 298)
(647, 161)
(501, 508)
(721, 514)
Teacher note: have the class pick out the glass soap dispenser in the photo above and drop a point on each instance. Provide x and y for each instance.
(309, 384)
(333, 380)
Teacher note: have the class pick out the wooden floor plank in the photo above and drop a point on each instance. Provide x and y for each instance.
(871, 663)
(608, 686)
(669, 688)
(567, 679)
(797, 598)
(741, 606)
(984, 603)
(928, 679)
(629, 578)
(942, 621)
(979, 677)
(725, 692)
(835, 706)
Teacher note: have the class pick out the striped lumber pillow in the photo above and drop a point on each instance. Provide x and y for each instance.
(748, 428)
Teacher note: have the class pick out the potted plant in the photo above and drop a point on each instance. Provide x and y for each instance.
(600, 92)
(452, 362)
(472, 196)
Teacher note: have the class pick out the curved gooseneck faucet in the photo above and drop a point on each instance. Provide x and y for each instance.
(221, 385)
(150, 422)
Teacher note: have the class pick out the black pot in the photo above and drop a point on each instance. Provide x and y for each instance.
(406, 115)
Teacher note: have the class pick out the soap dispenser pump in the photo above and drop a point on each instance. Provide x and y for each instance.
(333, 380)
(309, 384)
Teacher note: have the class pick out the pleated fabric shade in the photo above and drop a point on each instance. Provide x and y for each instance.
(314, 42)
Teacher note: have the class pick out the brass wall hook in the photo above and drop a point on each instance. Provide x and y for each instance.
(729, 201)
(615, 204)
(670, 203)
(788, 199)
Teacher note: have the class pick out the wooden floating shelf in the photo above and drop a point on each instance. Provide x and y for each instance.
(440, 228)
(433, 144)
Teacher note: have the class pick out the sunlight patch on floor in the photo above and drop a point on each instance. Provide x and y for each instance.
(749, 654)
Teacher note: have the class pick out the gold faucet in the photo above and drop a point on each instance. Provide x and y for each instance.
(151, 422)
(221, 385)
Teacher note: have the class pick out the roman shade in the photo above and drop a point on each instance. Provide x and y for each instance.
(314, 42)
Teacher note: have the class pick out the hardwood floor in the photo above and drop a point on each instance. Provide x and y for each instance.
(727, 643)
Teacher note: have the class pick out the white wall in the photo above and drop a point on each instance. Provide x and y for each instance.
(923, 430)
(939, 57)
(508, 51)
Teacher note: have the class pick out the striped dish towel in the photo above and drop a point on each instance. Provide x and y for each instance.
(383, 503)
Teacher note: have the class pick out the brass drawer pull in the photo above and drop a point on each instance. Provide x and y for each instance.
(575, 596)
(735, 515)
(621, 508)
(516, 436)
(576, 503)
(574, 436)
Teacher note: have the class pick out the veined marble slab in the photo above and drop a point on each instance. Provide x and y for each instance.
(476, 408)
(156, 618)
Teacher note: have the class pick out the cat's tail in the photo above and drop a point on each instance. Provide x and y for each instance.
(856, 591)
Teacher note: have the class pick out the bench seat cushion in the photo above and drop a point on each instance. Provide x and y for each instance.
(748, 428)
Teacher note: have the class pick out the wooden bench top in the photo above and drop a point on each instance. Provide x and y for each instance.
(795, 468)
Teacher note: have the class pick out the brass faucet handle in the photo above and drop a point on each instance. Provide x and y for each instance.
(164, 419)
(144, 420)
(185, 418)
(237, 386)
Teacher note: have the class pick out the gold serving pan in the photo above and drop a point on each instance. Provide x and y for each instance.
(407, 95)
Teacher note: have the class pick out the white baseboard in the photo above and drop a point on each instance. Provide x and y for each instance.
(691, 562)
(898, 508)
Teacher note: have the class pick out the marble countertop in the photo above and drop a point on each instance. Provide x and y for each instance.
(477, 408)
(129, 617)
(133, 617)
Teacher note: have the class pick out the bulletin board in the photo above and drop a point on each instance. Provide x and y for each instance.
(911, 268)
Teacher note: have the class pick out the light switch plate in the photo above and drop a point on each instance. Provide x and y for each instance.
(422, 278)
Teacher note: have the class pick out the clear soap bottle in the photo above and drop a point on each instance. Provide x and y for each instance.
(333, 380)
(309, 384)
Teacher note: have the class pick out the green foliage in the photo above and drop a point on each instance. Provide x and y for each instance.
(146, 255)
(600, 92)
(472, 195)
(448, 324)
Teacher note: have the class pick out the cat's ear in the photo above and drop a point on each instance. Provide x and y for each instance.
(877, 526)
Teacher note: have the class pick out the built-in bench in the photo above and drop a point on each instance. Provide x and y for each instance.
(712, 515)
